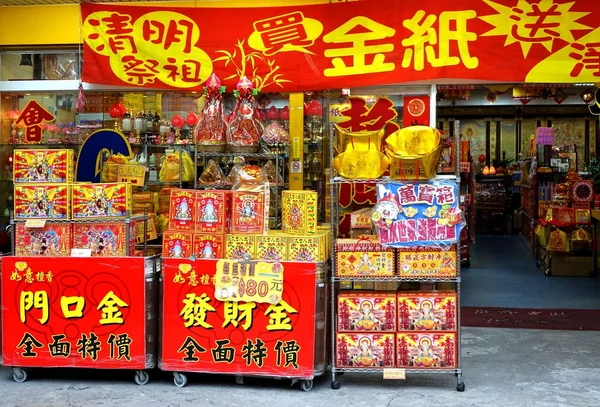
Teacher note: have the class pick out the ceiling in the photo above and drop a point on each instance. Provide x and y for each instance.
(4, 3)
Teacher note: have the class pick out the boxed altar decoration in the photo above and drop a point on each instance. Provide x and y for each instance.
(560, 215)
(366, 311)
(212, 211)
(582, 191)
(245, 129)
(42, 201)
(249, 212)
(135, 174)
(427, 262)
(271, 247)
(208, 246)
(40, 166)
(177, 244)
(299, 212)
(106, 239)
(366, 350)
(54, 239)
(211, 132)
(421, 350)
(240, 247)
(427, 311)
(110, 169)
(305, 248)
(151, 229)
(182, 210)
(108, 200)
(363, 257)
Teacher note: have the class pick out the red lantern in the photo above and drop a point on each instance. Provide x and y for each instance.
(285, 113)
(482, 158)
(115, 111)
(273, 113)
(177, 121)
(122, 107)
(9, 160)
(315, 108)
(191, 119)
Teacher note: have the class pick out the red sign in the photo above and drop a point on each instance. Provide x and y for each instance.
(207, 335)
(34, 117)
(343, 45)
(74, 312)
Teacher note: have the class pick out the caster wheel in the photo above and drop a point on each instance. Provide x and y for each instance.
(335, 385)
(19, 375)
(547, 273)
(306, 385)
(239, 379)
(179, 379)
(141, 377)
(460, 387)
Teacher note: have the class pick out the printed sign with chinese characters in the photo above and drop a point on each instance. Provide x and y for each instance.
(208, 335)
(419, 214)
(249, 281)
(74, 312)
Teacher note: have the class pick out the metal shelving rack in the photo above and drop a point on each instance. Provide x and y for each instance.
(335, 182)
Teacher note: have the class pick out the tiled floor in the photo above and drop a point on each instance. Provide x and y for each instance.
(503, 273)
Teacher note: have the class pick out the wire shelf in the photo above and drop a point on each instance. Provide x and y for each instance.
(410, 371)
(135, 218)
(401, 279)
(266, 156)
(387, 180)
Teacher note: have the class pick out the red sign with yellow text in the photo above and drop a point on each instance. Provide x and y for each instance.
(343, 44)
(73, 312)
(203, 334)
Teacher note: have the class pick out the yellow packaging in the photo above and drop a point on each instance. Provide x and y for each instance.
(240, 247)
(143, 197)
(305, 248)
(43, 166)
(135, 174)
(271, 247)
(105, 200)
(364, 257)
(299, 212)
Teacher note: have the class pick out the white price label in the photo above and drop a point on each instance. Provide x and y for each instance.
(81, 252)
(394, 374)
(35, 223)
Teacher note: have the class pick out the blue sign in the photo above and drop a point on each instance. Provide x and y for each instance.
(89, 161)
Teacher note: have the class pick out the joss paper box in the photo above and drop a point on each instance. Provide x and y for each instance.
(364, 257)
(271, 247)
(249, 212)
(105, 239)
(54, 239)
(427, 311)
(427, 262)
(151, 231)
(212, 211)
(426, 350)
(42, 201)
(182, 210)
(178, 245)
(240, 247)
(41, 166)
(299, 212)
(208, 246)
(106, 200)
(305, 248)
(366, 350)
(366, 311)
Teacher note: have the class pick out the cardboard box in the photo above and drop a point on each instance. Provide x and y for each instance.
(54, 239)
(135, 174)
(299, 212)
(565, 264)
(366, 311)
(386, 286)
(107, 200)
(365, 350)
(143, 197)
(105, 239)
(427, 311)
(429, 263)
(182, 210)
(151, 231)
(305, 248)
(271, 248)
(240, 247)
(426, 350)
(213, 209)
(164, 201)
(209, 246)
(361, 219)
(40, 166)
(249, 212)
(42, 201)
(364, 257)
(177, 244)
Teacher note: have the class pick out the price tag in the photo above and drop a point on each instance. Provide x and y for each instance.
(81, 252)
(394, 374)
(249, 281)
(35, 223)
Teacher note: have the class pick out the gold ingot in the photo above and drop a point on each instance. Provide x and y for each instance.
(361, 164)
(414, 141)
(417, 168)
(359, 140)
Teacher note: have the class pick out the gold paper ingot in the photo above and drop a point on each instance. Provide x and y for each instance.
(360, 140)
(414, 141)
(361, 164)
(414, 168)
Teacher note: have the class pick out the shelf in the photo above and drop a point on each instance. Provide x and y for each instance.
(266, 156)
(53, 145)
(227, 186)
(411, 371)
(386, 180)
(190, 147)
(135, 218)
(401, 279)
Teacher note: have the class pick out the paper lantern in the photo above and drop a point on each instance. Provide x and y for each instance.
(177, 121)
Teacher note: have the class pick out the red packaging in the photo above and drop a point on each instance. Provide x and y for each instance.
(212, 211)
(208, 246)
(54, 239)
(365, 350)
(248, 214)
(423, 311)
(367, 311)
(105, 239)
(421, 350)
(182, 209)
(177, 245)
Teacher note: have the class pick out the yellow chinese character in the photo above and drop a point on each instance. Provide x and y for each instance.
(278, 318)
(178, 279)
(49, 276)
(29, 276)
(110, 313)
(205, 279)
(420, 45)
(38, 300)
(193, 278)
(15, 276)
(67, 302)
(235, 312)
(359, 49)
(40, 276)
(194, 310)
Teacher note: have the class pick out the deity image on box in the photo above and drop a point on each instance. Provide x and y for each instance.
(103, 239)
(100, 200)
(182, 209)
(366, 312)
(364, 257)
(426, 350)
(249, 212)
(208, 247)
(54, 166)
(41, 201)
(240, 247)
(52, 240)
(177, 245)
(271, 248)
(419, 311)
(212, 211)
(365, 350)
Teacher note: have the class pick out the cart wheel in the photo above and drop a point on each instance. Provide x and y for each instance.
(141, 377)
(306, 385)
(19, 375)
(335, 385)
(538, 263)
(547, 273)
(460, 387)
(179, 379)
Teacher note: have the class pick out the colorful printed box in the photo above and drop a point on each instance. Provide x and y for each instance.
(364, 257)
(209, 246)
(422, 311)
(366, 311)
(42, 201)
(365, 350)
(135, 174)
(164, 200)
(240, 247)
(299, 212)
(212, 211)
(108, 200)
(177, 244)
(416, 263)
(41, 166)
(305, 248)
(419, 350)
(182, 210)
(151, 232)
(105, 239)
(271, 248)
(249, 212)
(54, 239)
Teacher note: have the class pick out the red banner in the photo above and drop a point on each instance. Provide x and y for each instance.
(73, 312)
(207, 335)
(343, 44)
